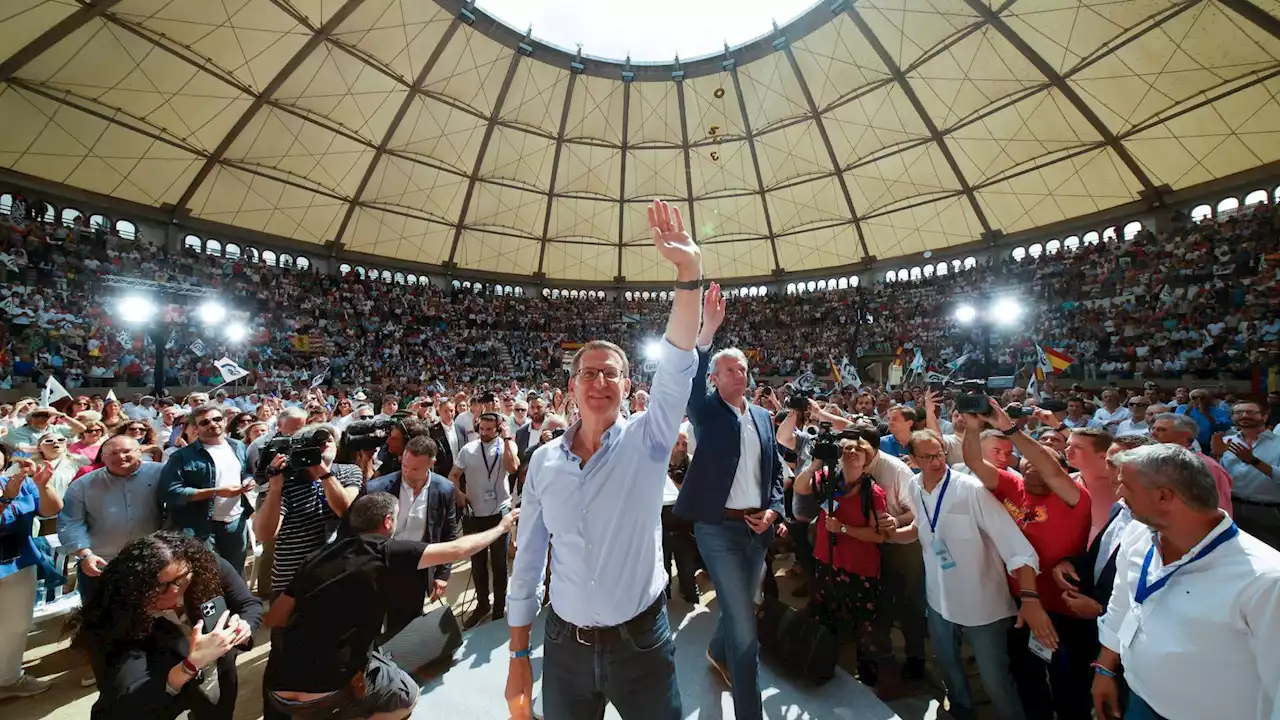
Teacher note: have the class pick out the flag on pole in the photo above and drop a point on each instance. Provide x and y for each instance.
(53, 392)
(849, 373)
(917, 365)
(198, 348)
(959, 362)
(111, 396)
(835, 372)
(229, 370)
(318, 380)
(1058, 360)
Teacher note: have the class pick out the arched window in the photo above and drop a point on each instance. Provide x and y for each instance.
(1253, 198)
(902, 275)
(1200, 213)
(99, 221)
(400, 279)
(1071, 243)
(286, 260)
(764, 290)
(1019, 253)
(755, 292)
(915, 273)
(942, 268)
(213, 247)
(853, 281)
(928, 270)
(890, 276)
(546, 292)
(955, 266)
(1274, 193)
(360, 272)
(555, 293)
(970, 262)
(126, 229)
(303, 263)
(345, 268)
(1132, 229)
(791, 288)
(843, 283)
(822, 284)
(627, 296)
(1052, 247)
(811, 285)
(831, 283)
(413, 279)
(386, 277)
(466, 284)
(231, 251)
(269, 257)
(648, 295)
(519, 290)
(6, 202)
(1227, 205)
(69, 216)
(251, 254)
(191, 242)
(1035, 251)
(49, 213)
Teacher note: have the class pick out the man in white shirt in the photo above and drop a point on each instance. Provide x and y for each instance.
(1194, 616)
(1136, 423)
(390, 404)
(970, 544)
(480, 471)
(1111, 414)
(1252, 457)
(1076, 416)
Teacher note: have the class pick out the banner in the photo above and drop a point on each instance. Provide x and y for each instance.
(229, 370)
(52, 393)
(111, 397)
(849, 373)
(172, 340)
(318, 380)
(198, 348)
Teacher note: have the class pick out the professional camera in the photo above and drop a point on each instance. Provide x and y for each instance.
(971, 397)
(826, 443)
(303, 451)
(799, 399)
(364, 435)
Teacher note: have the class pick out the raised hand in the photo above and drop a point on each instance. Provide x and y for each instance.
(672, 241)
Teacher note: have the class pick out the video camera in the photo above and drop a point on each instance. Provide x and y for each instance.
(363, 435)
(972, 399)
(303, 451)
(826, 443)
(798, 399)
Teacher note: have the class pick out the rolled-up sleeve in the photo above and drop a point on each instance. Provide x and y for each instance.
(524, 589)
(1012, 545)
(668, 398)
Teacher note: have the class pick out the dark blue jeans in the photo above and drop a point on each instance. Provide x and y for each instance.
(230, 540)
(1139, 710)
(734, 555)
(636, 673)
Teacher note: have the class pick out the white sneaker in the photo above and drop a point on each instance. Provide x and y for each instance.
(26, 687)
(88, 680)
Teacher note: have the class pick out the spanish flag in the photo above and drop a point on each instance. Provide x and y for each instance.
(835, 372)
(1058, 360)
(301, 343)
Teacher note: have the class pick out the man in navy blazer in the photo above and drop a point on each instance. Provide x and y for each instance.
(733, 494)
(426, 513)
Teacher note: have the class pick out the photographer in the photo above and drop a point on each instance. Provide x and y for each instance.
(304, 503)
(849, 579)
(400, 432)
(1052, 511)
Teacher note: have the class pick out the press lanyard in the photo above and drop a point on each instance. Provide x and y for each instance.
(937, 508)
(1145, 591)
(485, 456)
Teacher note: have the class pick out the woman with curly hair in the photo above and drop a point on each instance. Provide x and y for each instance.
(145, 433)
(144, 631)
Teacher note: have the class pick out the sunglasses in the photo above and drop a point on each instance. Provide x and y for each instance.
(205, 422)
(92, 430)
(54, 441)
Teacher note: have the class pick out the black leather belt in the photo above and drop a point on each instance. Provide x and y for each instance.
(615, 633)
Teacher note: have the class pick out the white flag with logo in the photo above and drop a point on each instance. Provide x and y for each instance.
(229, 370)
(111, 396)
(318, 380)
(198, 348)
(52, 393)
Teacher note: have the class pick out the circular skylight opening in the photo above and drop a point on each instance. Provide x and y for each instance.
(653, 31)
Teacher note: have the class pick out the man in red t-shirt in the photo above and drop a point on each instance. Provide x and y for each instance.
(1053, 511)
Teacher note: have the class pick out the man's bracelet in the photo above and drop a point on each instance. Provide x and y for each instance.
(689, 284)
(1010, 432)
(1102, 670)
(519, 654)
(1029, 594)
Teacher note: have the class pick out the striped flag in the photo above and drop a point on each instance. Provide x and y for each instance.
(1058, 360)
(835, 371)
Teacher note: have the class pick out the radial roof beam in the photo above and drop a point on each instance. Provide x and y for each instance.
(732, 66)
(627, 78)
(555, 167)
(1255, 15)
(997, 23)
(826, 139)
(412, 93)
(692, 224)
(53, 36)
(484, 148)
(315, 41)
(937, 137)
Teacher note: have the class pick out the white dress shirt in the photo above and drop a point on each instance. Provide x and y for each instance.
(1104, 418)
(1248, 482)
(1207, 645)
(895, 477)
(411, 520)
(1129, 427)
(985, 544)
(745, 493)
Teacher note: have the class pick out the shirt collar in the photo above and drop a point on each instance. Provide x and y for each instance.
(566, 440)
(1224, 522)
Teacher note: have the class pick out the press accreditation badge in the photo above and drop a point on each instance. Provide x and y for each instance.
(1040, 650)
(1129, 628)
(490, 495)
(944, 555)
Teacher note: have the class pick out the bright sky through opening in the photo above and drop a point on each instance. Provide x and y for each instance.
(651, 30)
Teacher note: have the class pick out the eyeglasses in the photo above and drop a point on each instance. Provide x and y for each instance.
(931, 457)
(591, 374)
(137, 429)
(92, 430)
(204, 422)
(179, 583)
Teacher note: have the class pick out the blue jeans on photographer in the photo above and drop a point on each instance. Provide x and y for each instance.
(632, 666)
(734, 554)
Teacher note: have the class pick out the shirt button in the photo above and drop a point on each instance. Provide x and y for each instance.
(593, 583)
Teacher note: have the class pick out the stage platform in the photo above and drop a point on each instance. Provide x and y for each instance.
(472, 687)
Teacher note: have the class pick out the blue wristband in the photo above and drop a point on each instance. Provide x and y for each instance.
(518, 654)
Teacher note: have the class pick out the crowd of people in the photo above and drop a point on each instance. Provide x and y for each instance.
(1038, 526)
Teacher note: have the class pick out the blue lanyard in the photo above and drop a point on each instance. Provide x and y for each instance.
(1144, 591)
(937, 508)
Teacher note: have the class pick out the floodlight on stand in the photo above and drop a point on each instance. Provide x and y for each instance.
(136, 310)
(652, 349)
(237, 332)
(212, 312)
(966, 314)
(1006, 311)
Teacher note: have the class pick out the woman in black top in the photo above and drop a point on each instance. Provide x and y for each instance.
(144, 631)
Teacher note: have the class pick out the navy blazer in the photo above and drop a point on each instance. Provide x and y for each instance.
(710, 476)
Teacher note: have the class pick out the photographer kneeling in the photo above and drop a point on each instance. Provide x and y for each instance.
(326, 662)
(848, 572)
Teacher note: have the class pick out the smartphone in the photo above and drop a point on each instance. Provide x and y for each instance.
(211, 610)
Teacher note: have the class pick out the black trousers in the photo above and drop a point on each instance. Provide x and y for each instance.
(1065, 684)
(494, 556)
(678, 544)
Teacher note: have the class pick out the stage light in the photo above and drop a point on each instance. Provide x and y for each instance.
(237, 332)
(966, 314)
(652, 349)
(212, 313)
(136, 310)
(1006, 311)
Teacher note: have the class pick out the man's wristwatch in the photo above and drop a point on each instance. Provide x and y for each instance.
(844, 529)
(1010, 432)
(689, 284)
